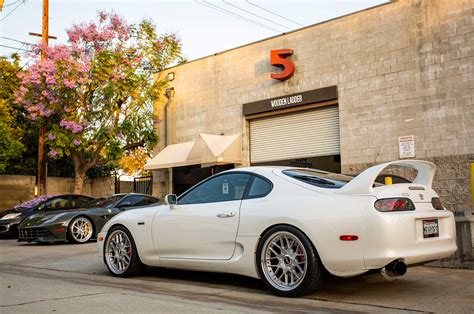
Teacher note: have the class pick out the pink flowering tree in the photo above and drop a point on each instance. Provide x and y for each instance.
(97, 92)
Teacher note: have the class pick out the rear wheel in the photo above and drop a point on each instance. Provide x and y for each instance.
(120, 253)
(288, 263)
(80, 230)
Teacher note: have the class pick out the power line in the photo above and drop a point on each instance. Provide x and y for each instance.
(16, 48)
(18, 41)
(26, 63)
(261, 8)
(10, 4)
(259, 16)
(217, 8)
(13, 10)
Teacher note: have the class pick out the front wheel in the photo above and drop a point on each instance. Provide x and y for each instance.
(120, 253)
(80, 230)
(288, 263)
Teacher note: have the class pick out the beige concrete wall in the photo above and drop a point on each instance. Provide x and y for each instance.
(404, 68)
(15, 189)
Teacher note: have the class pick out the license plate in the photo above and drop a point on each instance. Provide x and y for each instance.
(430, 228)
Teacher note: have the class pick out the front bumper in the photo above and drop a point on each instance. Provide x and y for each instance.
(100, 245)
(8, 227)
(55, 233)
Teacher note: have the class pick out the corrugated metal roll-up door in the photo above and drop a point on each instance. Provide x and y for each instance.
(297, 135)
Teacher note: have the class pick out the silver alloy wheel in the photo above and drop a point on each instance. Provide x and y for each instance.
(284, 261)
(81, 229)
(118, 252)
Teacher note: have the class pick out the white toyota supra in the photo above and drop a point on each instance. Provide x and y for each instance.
(287, 226)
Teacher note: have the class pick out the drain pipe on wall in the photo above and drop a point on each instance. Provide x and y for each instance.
(169, 93)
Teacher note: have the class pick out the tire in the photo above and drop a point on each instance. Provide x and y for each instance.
(288, 263)
(80, 230)
(122, 258)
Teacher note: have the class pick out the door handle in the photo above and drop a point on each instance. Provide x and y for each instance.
(226, 215)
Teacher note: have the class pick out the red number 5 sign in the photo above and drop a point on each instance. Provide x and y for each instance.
(277, 58)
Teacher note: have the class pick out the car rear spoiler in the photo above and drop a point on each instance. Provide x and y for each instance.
(363, 183)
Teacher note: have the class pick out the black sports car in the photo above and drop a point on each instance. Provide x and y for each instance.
(11, 218)
(80, 225)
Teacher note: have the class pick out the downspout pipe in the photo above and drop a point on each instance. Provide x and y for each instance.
(169, 93)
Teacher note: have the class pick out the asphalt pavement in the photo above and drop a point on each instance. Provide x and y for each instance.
(71, 278)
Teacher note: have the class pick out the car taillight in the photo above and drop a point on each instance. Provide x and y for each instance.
(436, 202)
(394, 204)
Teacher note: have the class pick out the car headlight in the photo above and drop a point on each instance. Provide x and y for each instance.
(10, 216)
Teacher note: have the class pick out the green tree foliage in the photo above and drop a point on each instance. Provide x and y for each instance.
(10, 132)
(100, 90)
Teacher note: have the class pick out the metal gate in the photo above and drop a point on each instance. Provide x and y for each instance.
(140, 185)
(143, 185)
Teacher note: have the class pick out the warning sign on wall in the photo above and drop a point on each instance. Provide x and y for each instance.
(406, 146)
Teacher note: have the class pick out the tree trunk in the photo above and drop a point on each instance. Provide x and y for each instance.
(80, 177)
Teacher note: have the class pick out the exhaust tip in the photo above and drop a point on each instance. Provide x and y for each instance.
(397, 268)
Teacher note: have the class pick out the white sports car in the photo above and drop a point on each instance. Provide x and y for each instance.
(287, 226)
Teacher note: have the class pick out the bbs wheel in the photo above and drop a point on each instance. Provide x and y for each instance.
(120, 253)
(288, 263)
(80, 230)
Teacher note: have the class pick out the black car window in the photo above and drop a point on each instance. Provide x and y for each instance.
(259, 188)
(146, 201)
(222, 188)
(130, 201)
(57, 203)
(104, 201)
(150, 200)
(318, 178)
(79, 201)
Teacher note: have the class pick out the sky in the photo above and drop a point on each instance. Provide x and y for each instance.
(205, 27)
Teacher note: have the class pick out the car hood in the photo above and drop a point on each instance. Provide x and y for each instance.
(23, 212)
(38, 219)
(8, 211)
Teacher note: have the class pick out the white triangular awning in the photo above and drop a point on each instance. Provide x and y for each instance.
(212, 149)
(174, 155)
(207, 150)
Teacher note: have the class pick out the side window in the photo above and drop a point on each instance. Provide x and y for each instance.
(152, 200)
(146, 201)
(259, 188)
(223, 188)
(57, 203)
(131, 201)
(79, 201)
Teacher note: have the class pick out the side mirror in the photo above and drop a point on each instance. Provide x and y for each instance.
(124, 205)
(171, 199)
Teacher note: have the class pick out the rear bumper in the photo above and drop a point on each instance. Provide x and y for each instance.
(399, 235)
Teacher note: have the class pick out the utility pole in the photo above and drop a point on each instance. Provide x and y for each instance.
(41, 174)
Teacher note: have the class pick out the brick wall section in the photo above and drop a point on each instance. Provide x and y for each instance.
(16, 189)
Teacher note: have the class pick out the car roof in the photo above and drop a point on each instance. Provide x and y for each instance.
(127, 194)
(271, 168)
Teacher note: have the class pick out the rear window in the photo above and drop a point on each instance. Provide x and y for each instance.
(320, 179)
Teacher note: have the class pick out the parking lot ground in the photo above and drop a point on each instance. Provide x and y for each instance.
(70, 278)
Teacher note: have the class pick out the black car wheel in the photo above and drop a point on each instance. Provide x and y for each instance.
(288, 263)
(120, 253)
(80, 230)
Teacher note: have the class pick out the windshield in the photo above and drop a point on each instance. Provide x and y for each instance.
(317, 178)
(104, 201)
(34, 202)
